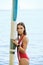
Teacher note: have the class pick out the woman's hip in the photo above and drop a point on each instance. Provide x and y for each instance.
(23, 61)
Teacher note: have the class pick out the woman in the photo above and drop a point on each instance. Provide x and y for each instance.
(22, 44)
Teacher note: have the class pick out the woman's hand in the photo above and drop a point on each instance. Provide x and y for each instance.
(15, 42)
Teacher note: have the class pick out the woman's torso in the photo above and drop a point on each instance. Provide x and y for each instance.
(20, 54)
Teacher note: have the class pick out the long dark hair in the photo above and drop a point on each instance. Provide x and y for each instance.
(22, 24)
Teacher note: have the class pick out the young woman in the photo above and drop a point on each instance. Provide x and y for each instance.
(22, 44)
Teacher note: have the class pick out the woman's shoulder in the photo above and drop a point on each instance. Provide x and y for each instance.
(25, 38)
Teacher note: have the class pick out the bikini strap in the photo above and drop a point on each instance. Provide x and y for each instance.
(20, 39)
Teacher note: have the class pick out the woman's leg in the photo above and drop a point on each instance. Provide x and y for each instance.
(24, 61)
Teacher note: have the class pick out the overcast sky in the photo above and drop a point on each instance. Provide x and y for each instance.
(22, 4)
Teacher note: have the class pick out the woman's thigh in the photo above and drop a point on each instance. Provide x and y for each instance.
(24, 61)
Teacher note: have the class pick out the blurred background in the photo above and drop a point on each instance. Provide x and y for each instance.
(31, 13)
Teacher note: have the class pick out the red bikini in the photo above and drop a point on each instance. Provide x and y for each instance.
(19, 54)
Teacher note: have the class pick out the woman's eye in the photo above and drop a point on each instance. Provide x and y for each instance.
(19, 28)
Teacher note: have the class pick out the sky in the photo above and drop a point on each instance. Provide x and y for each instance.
(22, 4)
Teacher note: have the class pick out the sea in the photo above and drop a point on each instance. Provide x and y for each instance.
(33, 20)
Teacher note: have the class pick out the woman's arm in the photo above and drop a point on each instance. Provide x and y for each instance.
(25, 42)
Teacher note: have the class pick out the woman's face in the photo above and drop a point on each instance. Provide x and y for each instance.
(20, 29)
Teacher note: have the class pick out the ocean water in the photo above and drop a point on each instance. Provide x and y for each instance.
(33, 20)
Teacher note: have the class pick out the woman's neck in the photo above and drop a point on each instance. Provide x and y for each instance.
(21, 35)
